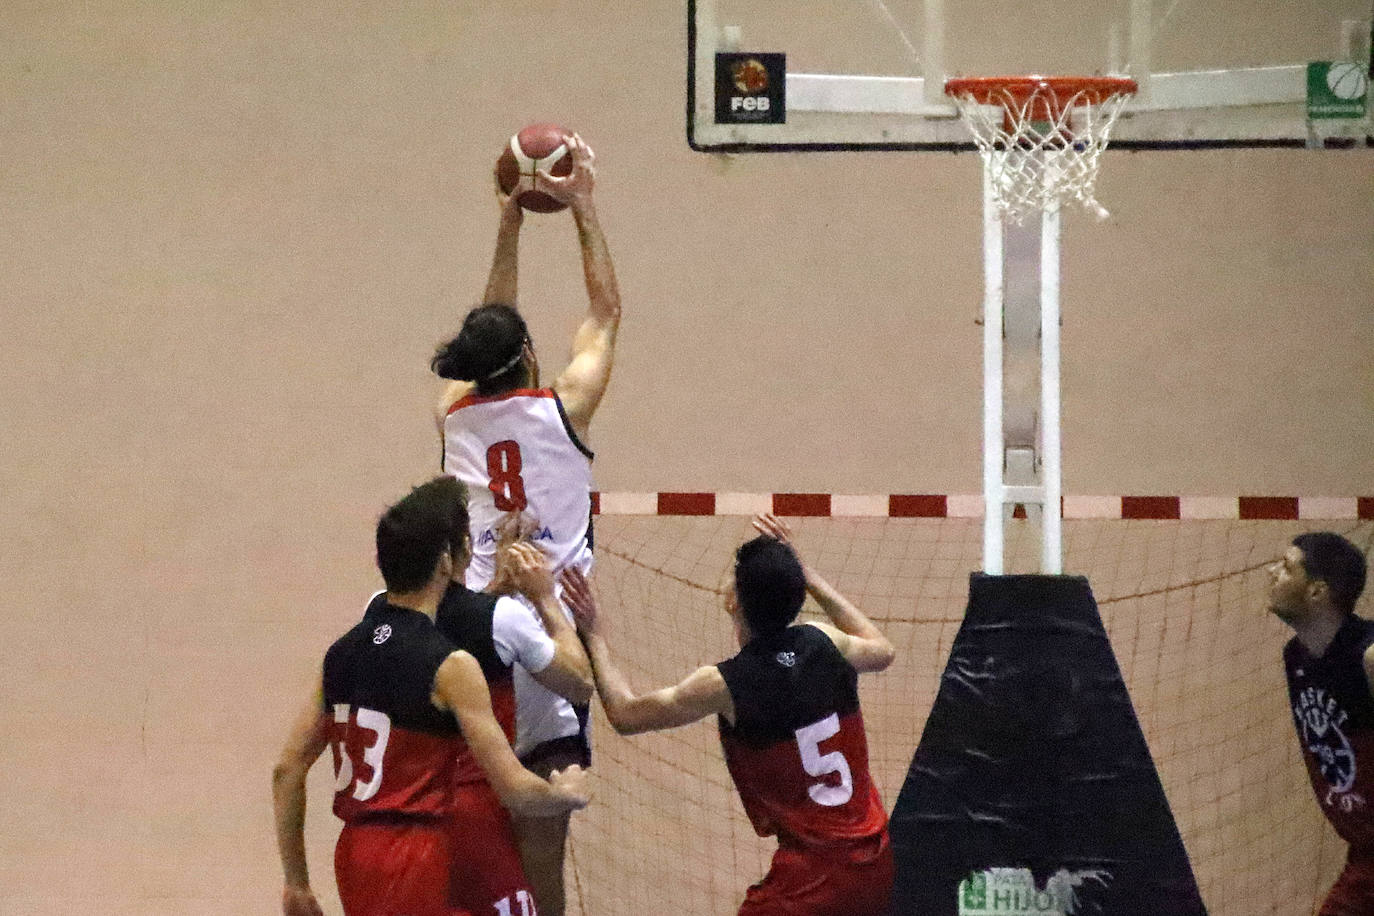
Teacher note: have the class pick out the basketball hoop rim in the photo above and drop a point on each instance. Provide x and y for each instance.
(1076, 90)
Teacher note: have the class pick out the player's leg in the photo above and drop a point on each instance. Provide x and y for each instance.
(390, 870)
(543, 843)
(1353, 892)
(488, 876)
(543, 840)
(801, 884)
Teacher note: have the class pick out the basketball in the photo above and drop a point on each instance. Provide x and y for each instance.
(1347, 81)
(535, 148)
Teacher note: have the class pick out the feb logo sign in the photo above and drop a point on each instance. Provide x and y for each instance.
(751, 88)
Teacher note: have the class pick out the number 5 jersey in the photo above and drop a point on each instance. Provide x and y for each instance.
(797, 751)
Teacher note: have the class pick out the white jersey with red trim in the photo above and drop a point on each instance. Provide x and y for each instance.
(517, 452)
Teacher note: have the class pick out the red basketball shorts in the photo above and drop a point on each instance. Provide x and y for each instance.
(802, 883)
(393, 869)
(1353, 892)
(486, 859)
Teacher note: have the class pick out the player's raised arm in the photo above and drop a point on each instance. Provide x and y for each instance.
(584, 381)
(460, 687)
(700, 694)
(861, 643)
(502, 280)
(569, 674)
(305, 743)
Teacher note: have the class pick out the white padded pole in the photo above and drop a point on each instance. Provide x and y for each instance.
(1051, 470)
(993, 444)
(933, 51)
(708, 38)
(1141, 62)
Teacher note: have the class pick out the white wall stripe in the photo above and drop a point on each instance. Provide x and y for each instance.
(1332, 507)
(858, 506)
(1092, 506)
(1198, 507)
(629, 503)
(743, 503)
(964, 505)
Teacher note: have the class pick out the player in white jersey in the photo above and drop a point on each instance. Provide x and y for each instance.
(522, 450)
(519, 454)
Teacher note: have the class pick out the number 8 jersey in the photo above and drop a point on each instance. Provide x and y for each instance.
(517, 453)
(797, 751)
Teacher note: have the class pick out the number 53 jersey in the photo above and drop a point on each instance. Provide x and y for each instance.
(395, 753)
(797, 751)
(517, 453)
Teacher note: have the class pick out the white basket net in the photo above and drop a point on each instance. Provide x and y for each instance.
(1041, 139)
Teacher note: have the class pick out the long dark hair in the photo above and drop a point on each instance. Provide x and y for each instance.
(487, 350)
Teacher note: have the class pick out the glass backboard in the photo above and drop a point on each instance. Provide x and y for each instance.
(782, 75)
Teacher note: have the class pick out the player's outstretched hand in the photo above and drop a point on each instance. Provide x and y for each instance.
(528, 570)
(512, 528)
(571, 783)
(509, 204)
(576, 187)
(768, 524)
(299, 901)
(577, 595)
(774, 527)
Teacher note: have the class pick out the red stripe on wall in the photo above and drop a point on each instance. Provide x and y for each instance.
(799, 504)
(936, 505)
(917, 506)
(1269, 507)
(1149, 507)
(686, 504)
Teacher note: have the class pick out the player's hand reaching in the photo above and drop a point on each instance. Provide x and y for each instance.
(299, 901)
(571, 783)
(509, 203)
(528, 570)
(769, 524)
(576, 188)
(577, 595)
(512, 528)
(773, 527)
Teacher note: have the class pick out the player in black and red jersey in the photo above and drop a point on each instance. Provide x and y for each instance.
(790, 726)
(1330, 667)
(398, 704)
(503, 634)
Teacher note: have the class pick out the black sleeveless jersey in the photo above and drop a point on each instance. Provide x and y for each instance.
(394, 751)
(797, 751)
(1334, 715)
(465, 619)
